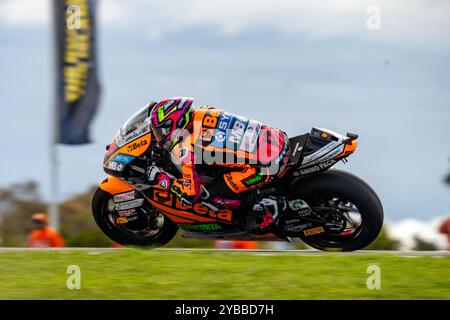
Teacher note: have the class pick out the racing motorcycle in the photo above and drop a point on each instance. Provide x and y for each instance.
(329, 209)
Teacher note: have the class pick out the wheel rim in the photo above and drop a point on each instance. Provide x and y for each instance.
(149, 230)
(337, 209)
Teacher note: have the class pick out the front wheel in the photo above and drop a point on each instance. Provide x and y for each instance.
(151, 229)
(352, 209)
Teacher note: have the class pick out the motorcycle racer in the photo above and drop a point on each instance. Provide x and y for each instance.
(250, 154)
(175, 168)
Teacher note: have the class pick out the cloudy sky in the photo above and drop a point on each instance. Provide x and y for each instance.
(293, 64)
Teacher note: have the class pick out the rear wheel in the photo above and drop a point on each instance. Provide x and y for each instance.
(353, 211)
(150, 229)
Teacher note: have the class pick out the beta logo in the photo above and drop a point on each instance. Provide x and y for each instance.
(231, 183)
(136, 145)
(202, 210)
(211, 118)
(163, 199)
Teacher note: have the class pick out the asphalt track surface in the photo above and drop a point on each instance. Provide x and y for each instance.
(257, 251)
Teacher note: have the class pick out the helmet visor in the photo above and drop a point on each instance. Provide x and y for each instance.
(163, 131)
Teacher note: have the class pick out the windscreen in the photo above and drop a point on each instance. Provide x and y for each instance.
(137, 125)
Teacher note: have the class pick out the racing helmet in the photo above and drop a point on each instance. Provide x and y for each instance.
(168, 116)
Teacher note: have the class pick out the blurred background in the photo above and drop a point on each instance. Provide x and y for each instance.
(378, 68)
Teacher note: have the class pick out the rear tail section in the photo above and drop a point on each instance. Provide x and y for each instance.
(320, 150)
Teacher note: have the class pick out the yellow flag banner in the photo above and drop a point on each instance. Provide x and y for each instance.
(78, 88)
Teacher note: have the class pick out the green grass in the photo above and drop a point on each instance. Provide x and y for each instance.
(135, 274)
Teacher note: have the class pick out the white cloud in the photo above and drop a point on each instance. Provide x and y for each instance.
(406, 230)
(24, 12)
(417, 23)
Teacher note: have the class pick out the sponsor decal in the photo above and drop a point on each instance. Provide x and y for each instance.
(129, 204)
(296, 204)
(220, 136)
(202, 227)
(313, 231)
(237, 131)
(331, 150)
(121, 220)
(200, 209)
(290, 221)
(136, 145)
(304, 212)
(211, 119)
(115, 166)
(168, 198)
(250, 137)
(318, 167)
(300, 207)
(224, 121)
(126, 213)
(124, 196)
(233, 185)
(254, 180)
(123, 158)
(297, 227)
(143, 129)
(221, 128)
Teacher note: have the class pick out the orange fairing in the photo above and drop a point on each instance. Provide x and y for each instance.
(135, 148)
(180, 213)
(349, 148)
(114, 185)
(176, 211)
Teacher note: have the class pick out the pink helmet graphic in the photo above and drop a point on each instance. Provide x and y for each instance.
(169, 115)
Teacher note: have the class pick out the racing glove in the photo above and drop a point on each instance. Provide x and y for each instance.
(157, 176)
